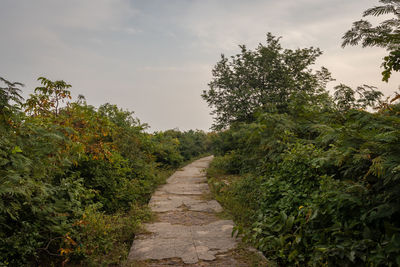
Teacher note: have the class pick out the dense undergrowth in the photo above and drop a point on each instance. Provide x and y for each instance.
(75, 179)
(311, 178)
(317, 185)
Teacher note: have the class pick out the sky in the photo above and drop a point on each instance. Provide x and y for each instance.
(155, 57)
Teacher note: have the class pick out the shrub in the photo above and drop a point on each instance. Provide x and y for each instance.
(75, 178)
(320, 189)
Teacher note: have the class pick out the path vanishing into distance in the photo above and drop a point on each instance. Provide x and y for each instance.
(187, 230)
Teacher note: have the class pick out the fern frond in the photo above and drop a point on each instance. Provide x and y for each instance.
(380, 10)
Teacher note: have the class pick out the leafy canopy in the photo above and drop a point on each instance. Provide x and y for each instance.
(9, 93)
(385, 35)
(262, 79)
(363, 97)
(48, 98)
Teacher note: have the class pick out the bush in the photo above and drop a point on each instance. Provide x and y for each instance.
(103, 239)
(320, 188)
(75, 178)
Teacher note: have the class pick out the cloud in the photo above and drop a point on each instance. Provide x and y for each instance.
(155, 57)
(90, 15)
(225, 24)
(131, 30)
(179, 69)
(222, 25)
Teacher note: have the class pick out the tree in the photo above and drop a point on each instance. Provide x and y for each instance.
(263, 79)
(346, 99)
(385, 35)
(9, 96)
(47, 99)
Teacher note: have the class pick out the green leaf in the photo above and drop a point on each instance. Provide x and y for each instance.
(16, 149)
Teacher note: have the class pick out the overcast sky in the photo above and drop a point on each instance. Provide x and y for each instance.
(154, 57)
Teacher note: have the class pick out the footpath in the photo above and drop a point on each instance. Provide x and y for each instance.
(187, 230)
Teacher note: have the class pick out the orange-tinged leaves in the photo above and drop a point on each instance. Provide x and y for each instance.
(65, 251)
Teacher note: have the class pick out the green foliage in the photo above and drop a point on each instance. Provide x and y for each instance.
(386, 34)
(166, 152)
(322, 192)
(48, 98)
(346, 98)
(191, 143)
(265, 79)
(75, 178)
(10, 98)
(315, 183)
(175, 147)
(103, 239)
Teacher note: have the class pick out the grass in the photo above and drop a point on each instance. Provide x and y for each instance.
(251, 256)
(223, 189)
(227, 190)
(107, 238)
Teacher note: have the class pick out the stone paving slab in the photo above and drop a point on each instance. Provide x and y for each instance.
(163, 203)
(185, 188)
(191, 243)
(187, 217)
